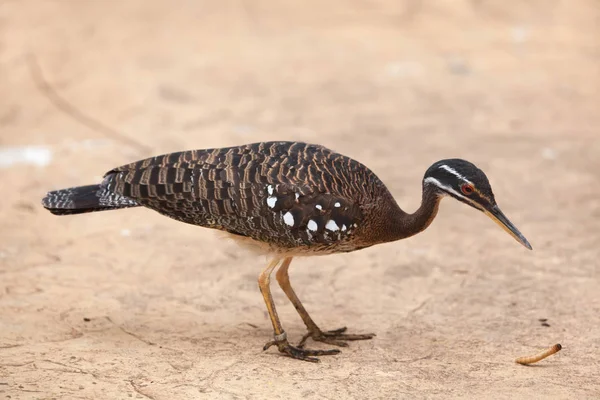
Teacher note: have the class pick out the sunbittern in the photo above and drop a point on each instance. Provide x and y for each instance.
(288, 199)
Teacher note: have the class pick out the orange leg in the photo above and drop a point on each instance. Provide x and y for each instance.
(336, 337)
(280, 337)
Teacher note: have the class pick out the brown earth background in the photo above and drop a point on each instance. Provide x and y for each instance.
(174, 310)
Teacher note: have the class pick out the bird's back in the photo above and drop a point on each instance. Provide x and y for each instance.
(291, 196)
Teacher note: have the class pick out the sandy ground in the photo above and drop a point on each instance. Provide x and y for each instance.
(130, 304)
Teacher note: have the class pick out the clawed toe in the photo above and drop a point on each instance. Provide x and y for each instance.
(336, 331)
(299, 353)
(335, 337)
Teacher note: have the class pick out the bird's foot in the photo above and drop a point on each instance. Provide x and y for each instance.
(297, 352)
(336, 337)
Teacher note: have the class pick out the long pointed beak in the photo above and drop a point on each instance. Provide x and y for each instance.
(498, 217)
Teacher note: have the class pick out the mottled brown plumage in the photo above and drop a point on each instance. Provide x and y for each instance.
(289, 198)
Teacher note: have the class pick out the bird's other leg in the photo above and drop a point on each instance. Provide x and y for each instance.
(280, 337)
(336, 337)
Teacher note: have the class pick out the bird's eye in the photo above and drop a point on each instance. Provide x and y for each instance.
(467, 189)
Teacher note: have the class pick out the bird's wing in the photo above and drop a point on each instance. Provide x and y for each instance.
(292, 189)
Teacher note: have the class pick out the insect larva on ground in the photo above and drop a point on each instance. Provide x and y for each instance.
(538, 357)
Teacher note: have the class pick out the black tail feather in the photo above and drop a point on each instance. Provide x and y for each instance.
(84, 199)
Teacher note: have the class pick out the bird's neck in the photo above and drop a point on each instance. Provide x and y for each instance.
(406, 225)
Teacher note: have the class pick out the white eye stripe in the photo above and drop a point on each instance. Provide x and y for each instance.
(444, 188)
(447, 189)
(453, 172)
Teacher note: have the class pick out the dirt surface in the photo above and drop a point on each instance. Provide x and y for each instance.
(130, 304)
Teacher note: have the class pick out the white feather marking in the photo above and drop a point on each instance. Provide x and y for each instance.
(344, 228)
(332, 226)
(319, 207)
(312, 226)
(288, 218)
(337, 204)
(453, 172)
(297, 195)
(271, 201)
(270, 190)
(443, 187)
(450, 190)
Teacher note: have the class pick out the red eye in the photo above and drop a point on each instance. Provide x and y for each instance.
(467, 189)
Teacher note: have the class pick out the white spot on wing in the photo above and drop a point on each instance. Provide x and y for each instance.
(312, 226)
(288, 218)
(297, 195)
(332, 226)
(344, 228)
(271, 201)
(337, 204)
(270, 190)
(319, 207)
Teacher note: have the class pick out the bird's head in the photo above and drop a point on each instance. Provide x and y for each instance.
(468, 184)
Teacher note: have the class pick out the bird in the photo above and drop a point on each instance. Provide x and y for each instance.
(284, 199)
